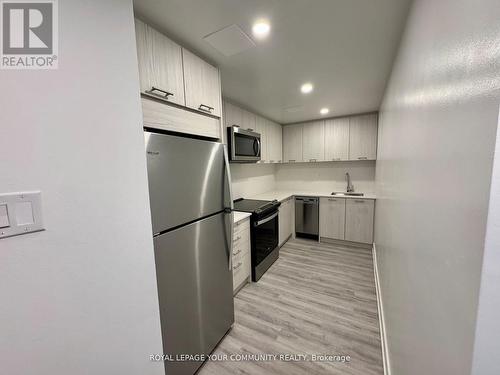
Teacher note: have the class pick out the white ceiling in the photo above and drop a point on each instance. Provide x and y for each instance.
(344, 47)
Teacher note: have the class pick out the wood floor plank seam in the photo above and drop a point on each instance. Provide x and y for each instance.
(317, 298)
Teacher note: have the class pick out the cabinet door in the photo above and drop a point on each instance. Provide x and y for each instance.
(285, 220)
(261, 128)
(332, 218)
(313, 141)
(160, 64)
(292, 143)
(359, 220)
(248, 120)
(363, 137)
(277, 155)
(233, 114)
(337, 139)
(291, 216)
(202, 84)
(282, 223)
(272, 142)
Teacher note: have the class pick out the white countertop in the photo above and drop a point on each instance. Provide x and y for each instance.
(238, 216)
(281, 195)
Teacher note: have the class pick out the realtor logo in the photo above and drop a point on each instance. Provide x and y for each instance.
(29, 34)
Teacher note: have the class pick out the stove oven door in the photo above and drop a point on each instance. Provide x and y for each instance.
(265, 249)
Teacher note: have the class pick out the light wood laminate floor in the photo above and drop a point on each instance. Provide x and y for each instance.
(315, 299)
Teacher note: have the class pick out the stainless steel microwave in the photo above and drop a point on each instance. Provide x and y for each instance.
(244, 145)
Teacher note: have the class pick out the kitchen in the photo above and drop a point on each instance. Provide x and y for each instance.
(252, 187)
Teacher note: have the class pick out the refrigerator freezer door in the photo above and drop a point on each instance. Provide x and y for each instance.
(187, 179)
(194, 289)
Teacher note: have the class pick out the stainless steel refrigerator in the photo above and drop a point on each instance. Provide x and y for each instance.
(191, 209)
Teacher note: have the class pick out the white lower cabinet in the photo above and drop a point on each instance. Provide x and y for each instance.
(286, 220)
(332, 218)
(241, 254)
(347, 219)
(359, 220)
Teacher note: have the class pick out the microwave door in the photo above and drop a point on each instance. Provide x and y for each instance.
(245, 145)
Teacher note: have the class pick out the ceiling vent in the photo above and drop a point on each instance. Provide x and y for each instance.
(230, 41)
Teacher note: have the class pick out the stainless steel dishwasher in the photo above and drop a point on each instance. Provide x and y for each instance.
(307, 217)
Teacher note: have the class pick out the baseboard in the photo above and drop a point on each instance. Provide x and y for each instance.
(346, 243)
(381, 317)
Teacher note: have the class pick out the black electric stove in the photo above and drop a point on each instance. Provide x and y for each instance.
(264, 232)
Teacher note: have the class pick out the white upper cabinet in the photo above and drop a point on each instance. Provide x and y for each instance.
(292, 143)
(160, 64)
(274, 142)
(261, 128)
(202, 84)
(279, 143)
(313, 141)
(363, 137)
(337, 139)
(248, 120)
(233, 114)
(270, 132)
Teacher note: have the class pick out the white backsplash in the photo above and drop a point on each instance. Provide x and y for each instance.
(252, 179)
(326, 176)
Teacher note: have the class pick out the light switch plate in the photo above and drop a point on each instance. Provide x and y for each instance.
(23, 213)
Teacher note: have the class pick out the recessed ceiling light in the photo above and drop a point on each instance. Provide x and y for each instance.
(306, 88)
(261, 29)
(324, 111)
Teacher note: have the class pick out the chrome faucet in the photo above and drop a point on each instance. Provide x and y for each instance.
(350, 186)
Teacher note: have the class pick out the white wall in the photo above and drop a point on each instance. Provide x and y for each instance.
(326, 176)
(80, 297)
(486, 345)
(252, 179)
(437, 129)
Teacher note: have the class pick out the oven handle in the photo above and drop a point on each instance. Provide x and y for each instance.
(263, 221)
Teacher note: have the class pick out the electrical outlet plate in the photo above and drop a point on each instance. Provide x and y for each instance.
(21, 213)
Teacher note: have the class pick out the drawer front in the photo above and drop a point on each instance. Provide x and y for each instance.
(242, 245)
(241, 271)
(243, 225)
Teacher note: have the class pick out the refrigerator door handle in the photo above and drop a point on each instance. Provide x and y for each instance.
(229, 238)
(228, 192)
(228, 199)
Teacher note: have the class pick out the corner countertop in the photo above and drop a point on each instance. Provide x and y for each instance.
(238, 216)
(281, 195)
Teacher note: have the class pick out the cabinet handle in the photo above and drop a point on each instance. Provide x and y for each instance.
(332, 200)
(291, 161)
(359, 201)
(362, 158)
(271, 161)
(206, 108)
(236, 253)
(313, 160)
(237, 266)
(165, 93)
(250, 129)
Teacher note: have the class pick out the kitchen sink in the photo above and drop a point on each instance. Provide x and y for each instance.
(348, 194)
